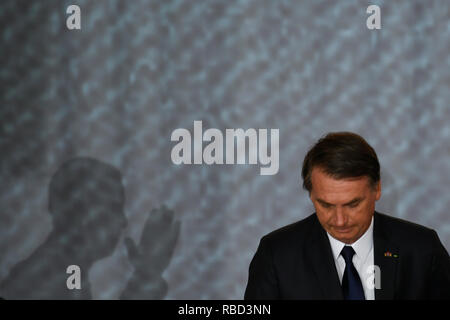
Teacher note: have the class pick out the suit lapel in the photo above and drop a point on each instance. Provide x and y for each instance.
(386, 256)
(319, 250)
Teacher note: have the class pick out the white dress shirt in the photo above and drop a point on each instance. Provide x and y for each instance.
(363, 259)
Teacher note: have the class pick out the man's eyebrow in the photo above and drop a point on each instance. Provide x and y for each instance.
(324, 202)
(359, 199)
(353, 201)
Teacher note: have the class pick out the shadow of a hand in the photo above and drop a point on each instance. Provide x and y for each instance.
(152, 256)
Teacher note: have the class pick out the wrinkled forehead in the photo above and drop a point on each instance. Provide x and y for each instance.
(334, 190)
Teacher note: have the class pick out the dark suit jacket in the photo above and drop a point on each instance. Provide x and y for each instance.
(296, 262)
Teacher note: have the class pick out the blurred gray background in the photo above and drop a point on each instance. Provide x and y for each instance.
(114, 91)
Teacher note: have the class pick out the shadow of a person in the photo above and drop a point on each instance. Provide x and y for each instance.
(86, 202)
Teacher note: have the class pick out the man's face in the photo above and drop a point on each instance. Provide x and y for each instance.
(344, 207)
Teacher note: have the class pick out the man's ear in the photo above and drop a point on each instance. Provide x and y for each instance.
(378, 190)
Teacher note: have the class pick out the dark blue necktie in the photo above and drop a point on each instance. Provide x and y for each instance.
(351, 283)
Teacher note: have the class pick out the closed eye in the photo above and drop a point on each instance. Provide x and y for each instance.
(354, 205)
(324, 204)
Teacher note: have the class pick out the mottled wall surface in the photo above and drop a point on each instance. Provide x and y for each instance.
(102, 102)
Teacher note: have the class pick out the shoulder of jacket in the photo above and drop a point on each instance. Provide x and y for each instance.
(293, 232)
(406, 232)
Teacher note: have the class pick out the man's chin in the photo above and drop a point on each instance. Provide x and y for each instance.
(346, 236)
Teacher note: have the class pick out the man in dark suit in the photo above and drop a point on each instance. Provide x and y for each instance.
(347, 250)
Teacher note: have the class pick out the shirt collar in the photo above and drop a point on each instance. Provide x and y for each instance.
(362, 246)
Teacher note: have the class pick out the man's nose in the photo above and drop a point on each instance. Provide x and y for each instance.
(340, 217)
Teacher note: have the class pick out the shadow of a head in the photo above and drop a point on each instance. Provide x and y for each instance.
(86, 202)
